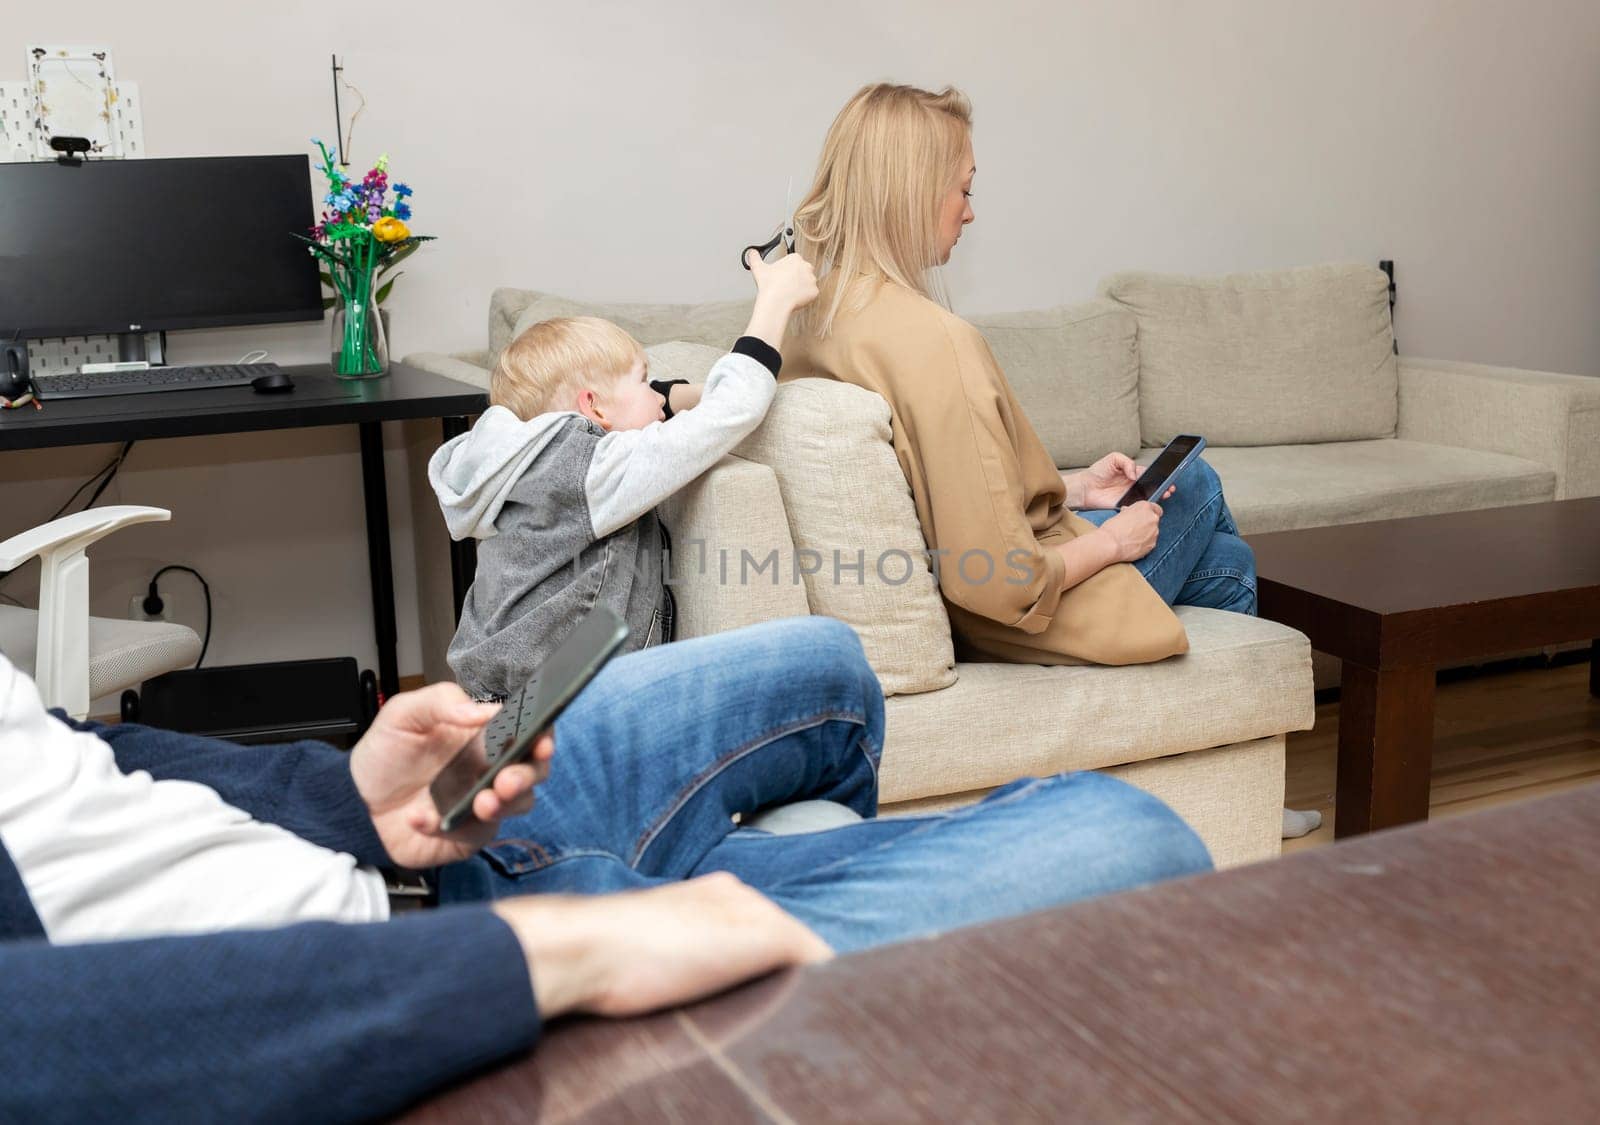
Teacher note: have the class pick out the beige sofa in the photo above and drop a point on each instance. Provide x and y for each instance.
(1311, 418)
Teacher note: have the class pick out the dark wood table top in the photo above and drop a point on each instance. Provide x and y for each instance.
(1430, 562)
(1439, 972)
(318, 399)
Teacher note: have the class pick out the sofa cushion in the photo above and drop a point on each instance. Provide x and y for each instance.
(1076, 372)
(736, 502)
(855, 527)
(1285, 487)
(1264, 358)
(716, 323)
(1242, 678)
(680, 359)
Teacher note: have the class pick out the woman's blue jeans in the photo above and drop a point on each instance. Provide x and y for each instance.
(1198, 558)
(661, 751)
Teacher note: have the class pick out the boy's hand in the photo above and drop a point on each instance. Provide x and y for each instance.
(785, 285)
(789, 283)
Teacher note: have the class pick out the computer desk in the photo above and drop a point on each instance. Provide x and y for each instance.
(318, 399)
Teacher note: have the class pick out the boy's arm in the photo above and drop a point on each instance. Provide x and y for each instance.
(635, 470)
(679, 393)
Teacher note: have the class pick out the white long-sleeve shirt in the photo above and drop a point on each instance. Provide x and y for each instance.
(106, 854)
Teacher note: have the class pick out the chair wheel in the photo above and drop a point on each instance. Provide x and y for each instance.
(130, 706)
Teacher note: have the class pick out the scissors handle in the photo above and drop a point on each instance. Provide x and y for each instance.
(784, 235)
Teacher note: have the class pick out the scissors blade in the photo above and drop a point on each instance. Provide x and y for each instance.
(788, 216)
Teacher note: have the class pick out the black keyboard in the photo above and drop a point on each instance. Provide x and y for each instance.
(106, 384)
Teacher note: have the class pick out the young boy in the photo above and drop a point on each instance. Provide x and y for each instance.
(560, 478)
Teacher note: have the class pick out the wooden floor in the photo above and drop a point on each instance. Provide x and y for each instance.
(1497, 739)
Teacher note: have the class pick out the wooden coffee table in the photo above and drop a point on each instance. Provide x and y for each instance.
(1396, 599)
(1444, 972)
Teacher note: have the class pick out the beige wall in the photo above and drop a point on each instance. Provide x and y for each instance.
(626, 149)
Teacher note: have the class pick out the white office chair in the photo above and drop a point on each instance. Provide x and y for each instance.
(73, 657)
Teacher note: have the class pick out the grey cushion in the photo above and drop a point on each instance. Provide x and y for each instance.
(1075, 369)
(1269, 358)
(1284, 487)
(802, 816)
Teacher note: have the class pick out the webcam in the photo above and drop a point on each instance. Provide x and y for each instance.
(70, 148)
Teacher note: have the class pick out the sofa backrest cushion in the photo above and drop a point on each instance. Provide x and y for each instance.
(715, 324)
(855, 529)
(1270, 358)
(1075, 369)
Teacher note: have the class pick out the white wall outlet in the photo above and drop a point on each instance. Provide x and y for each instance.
(136, 610)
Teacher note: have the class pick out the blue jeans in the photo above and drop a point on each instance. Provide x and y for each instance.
(1198, 558)
(660, 752)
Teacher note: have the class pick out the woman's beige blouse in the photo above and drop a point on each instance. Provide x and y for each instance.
(988, 495)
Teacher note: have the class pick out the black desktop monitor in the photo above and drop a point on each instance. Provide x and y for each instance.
(135, 246)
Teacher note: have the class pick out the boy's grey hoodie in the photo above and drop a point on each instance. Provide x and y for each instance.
(564, 513)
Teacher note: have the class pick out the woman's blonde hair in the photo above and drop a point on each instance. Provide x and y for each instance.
(556, 356)
(873, 209)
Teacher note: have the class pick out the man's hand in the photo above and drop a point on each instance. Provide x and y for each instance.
(625, 954)
(409, 742)
(1102, 484)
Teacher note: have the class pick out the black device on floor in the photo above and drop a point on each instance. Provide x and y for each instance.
(510, 736)
(329, 700)
(1163, 471)
(151, 379)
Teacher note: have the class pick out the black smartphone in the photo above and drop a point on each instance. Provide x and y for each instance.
(510, 735)
(1158, 477)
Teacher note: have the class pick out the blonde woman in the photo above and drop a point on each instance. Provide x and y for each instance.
(1035, 566)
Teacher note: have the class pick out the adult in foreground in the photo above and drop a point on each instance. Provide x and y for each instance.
(1036, 566)
(194, 929)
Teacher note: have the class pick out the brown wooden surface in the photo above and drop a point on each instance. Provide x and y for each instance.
(1440, 972)
(1438, 588)
(1385, 747)
(1498, 739)
(1395, 599)
(1429, 562)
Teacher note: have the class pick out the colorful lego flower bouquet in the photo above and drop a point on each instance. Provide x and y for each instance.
(362, 236)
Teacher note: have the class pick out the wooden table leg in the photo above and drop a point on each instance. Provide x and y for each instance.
(1385, 748)
(1594, 667)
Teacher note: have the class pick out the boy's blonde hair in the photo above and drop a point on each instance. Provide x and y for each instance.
(888, 161)
(557, 357)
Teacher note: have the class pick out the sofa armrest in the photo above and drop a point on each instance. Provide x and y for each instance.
(464, 367)
(733, 561)
(1539, 416)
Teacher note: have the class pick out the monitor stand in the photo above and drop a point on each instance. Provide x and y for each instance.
(137, 347)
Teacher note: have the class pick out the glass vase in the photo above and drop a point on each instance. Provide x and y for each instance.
(360, 349)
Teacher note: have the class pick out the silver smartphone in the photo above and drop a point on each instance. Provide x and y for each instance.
(510, 736)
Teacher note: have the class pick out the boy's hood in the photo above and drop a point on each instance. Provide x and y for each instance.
(473, 474)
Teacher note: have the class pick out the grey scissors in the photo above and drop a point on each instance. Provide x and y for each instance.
(785, 233)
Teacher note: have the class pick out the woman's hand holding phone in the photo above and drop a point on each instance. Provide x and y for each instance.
(1134, 530)
(1102, 484)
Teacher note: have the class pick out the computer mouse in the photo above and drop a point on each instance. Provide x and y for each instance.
(272, 383)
